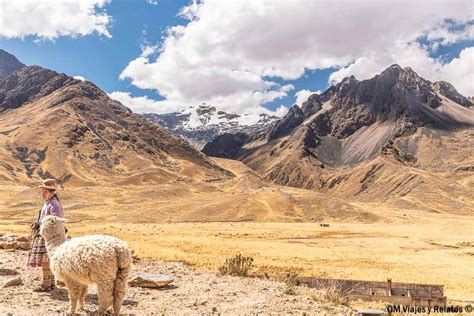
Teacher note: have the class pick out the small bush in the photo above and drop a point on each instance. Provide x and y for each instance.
(336, 292)
(291, 282)
(237, 266)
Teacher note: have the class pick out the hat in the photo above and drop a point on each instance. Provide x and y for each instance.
(49, 184)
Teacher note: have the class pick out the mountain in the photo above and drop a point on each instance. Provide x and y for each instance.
(394, 137)
(201, 124)
(8, 64)
(52, 125)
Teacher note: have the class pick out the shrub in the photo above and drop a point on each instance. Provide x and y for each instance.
(291, 282)
(237, 266)
(336, 292)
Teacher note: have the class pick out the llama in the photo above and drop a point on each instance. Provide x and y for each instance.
(97, 259)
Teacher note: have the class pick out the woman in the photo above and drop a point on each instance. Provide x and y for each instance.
(38, 257)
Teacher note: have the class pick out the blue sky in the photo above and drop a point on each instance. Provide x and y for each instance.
(241, 56)
(98, 58)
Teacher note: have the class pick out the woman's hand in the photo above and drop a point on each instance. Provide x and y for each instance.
(34, 225)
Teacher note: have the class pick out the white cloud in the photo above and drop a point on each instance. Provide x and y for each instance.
(80, 78)
(281, 110)
(50, 19)
(459, 71)
(229, 49)
(141, 104)
(449, 33)
(303, 95)
(153, 2)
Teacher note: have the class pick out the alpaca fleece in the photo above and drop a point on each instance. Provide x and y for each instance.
(96, 259)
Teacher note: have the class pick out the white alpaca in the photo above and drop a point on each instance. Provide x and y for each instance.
(78, 262)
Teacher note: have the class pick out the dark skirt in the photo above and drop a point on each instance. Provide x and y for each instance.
(38, 254)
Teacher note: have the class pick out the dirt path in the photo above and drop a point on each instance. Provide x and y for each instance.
(191, 292)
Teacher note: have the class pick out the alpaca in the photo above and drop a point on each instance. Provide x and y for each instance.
(97, 259)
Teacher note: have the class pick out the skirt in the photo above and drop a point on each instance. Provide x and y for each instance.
(38, 254)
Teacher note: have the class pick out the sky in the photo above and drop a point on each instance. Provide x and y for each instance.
(242, 56)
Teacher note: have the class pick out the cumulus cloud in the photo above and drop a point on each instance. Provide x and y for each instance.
(229, 51)
(281, 110)
(450, 32)
(50, 19)
(140, 104)
(303, 95)
(80, 78)
(459, 71)
(153, 2)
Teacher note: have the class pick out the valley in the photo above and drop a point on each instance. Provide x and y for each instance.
(385, 164)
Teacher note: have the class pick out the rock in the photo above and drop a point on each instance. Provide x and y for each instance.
(8, 237)
(142, 279)
(7, 245)
(5, 271)
(24, 238)
(13, 282)
(23, 245)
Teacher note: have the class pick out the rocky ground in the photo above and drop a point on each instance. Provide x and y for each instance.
(192, 292)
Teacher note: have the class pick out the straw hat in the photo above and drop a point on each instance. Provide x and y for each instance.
(49, 184)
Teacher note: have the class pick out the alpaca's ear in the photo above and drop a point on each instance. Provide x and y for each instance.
(64, 220)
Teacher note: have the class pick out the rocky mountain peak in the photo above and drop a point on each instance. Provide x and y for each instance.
(347, 85)
(368, 113)
(30, 83)
(205, 113)
(266, 118)
(405, 76)
(56, 126)
(446, 89)
(201, 124)
(314, 103)
(8, 64)
(285, 125)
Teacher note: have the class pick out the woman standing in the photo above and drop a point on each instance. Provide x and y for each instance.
(38, 256)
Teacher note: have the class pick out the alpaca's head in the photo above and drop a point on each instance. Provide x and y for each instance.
(52, 226)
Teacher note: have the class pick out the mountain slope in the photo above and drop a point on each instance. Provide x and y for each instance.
(370, 140)
(200, 125)
(8, 64)
(52, 125)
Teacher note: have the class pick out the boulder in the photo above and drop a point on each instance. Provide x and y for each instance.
(10, 236)
(24, 238)
(13, 282)
(23, 245)
(142, 279)
(5, 271)
(7, 245)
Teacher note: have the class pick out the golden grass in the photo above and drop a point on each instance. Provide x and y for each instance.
(428, 252)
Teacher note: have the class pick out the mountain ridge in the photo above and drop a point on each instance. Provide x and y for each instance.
(52, 125)
(201, 124)
(350, 139)
(8, 63)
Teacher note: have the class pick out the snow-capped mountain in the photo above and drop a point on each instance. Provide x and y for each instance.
(201, 124)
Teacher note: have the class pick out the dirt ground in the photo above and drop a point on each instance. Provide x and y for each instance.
(192, 292)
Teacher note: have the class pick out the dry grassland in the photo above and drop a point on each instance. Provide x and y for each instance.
(419, 246)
